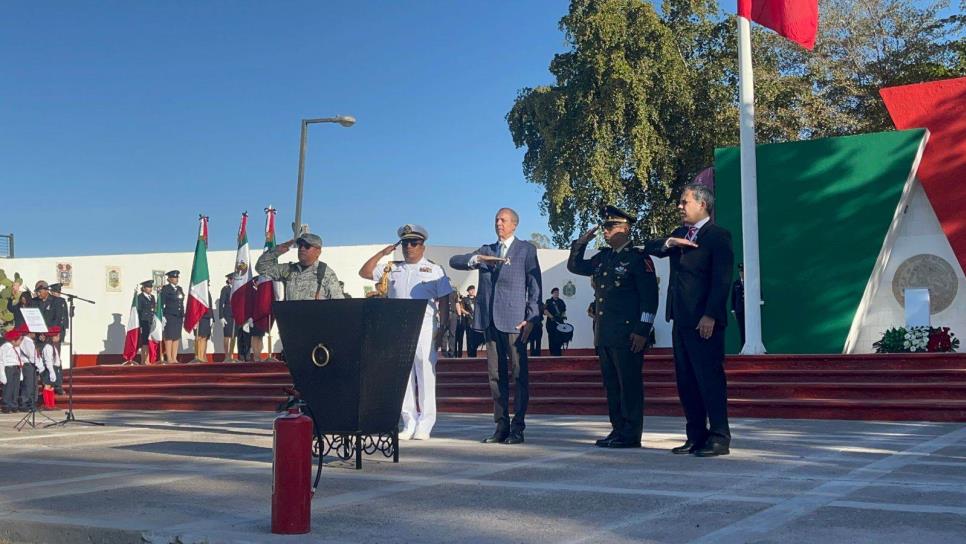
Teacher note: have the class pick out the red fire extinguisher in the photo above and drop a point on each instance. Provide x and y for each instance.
(292, 474)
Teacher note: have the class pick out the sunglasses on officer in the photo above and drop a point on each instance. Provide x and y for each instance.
(303, 244)
(411, 242)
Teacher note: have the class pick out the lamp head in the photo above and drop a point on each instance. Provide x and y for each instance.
(345, 120)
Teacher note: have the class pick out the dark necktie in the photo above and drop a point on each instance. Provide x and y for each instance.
(692, 232)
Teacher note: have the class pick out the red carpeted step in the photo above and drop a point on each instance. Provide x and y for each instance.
(893, 387)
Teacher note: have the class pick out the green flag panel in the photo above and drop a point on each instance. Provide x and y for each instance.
(824, 208)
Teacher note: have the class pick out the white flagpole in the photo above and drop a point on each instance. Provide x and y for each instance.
(749, 193)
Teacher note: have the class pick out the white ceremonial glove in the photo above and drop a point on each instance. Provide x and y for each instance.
(223, 321)
(53, 377)
(248, 326)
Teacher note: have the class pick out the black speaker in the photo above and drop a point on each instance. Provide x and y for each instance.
(350, 359)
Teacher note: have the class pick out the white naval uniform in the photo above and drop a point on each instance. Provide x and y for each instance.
(422, 280)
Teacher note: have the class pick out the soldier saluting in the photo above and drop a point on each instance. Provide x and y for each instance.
(626, 298)
(171, 298)
(307, 279)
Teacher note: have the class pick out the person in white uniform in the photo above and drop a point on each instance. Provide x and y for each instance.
(416, 277)
(11, 363)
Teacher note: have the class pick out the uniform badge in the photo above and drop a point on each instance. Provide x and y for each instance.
(620, 269)
(425, 269)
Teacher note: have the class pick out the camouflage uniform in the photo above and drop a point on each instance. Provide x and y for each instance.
(301, 283)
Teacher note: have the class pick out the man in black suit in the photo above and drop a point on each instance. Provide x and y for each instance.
(701, 261)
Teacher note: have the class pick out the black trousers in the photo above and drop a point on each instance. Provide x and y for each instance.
(621, 370)
(554, 338)
(473, 340)
(28, 387)
(506, 357)
(460, 331)
(536, 336)
(11, 391)
(702, 387)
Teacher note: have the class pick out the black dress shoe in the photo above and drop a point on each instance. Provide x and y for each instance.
(516, 437)
(684, 449)
(495, 438)
(712, 449)
(602, 443)
(621, 444)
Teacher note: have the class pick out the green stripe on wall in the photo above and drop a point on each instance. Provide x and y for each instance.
(824, 209)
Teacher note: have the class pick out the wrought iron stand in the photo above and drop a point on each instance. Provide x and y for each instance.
(349, 446)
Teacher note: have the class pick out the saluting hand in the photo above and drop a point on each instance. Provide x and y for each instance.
(589, 235)
(388, 250)
(680, 242)
(285, 246)
(490, 259)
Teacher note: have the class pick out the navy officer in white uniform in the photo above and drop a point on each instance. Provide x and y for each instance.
(416, 277)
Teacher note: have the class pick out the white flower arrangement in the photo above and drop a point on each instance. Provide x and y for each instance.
(917, 338)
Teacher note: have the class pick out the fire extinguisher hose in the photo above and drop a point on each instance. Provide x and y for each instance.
(318, 438)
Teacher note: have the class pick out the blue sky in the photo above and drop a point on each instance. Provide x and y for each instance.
(121, 121)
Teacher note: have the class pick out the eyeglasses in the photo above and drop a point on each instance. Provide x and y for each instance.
(304, 245)
(412, 243)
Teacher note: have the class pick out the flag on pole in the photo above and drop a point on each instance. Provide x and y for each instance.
(155, 337)
(198, 297)
(133, 332)
(796, 20)
(240, 291)
(264, 286)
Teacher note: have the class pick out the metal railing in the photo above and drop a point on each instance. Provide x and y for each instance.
(6, 246)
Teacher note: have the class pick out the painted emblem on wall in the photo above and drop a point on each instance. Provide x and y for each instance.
(113, 280)
(569, 289)
(158, 277)
(65, 274)
(927, 272)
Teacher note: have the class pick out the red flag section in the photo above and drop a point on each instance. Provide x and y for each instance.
(796, 20)
(939, 106)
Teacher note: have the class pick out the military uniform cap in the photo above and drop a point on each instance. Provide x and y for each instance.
(40, 285)
(230, 275)
(148, 283)
(410, 231)
(173, 274)
(56, 287)
(613, 214)
(313, 240)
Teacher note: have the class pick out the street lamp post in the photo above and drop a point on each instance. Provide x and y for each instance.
(344, 120)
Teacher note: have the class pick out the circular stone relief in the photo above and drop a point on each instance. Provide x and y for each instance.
(927, 271)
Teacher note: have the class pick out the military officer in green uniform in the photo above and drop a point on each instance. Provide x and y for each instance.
(625, 300)
(307, 279)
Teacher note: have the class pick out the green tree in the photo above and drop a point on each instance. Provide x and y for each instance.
(642, 97)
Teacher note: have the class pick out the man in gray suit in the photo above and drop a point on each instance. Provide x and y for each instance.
(507, 305)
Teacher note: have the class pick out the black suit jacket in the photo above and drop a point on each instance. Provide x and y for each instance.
(700, 276)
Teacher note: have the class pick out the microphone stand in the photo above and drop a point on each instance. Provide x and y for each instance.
(69, 415)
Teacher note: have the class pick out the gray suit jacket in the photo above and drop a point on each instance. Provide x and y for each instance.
(507, 294)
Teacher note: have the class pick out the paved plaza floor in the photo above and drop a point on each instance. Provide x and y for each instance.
(185, 477)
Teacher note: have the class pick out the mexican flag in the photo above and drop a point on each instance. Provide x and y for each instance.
(198, 297)
(133, 331)
(154, 339)
(264, 286)
(240, 291)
